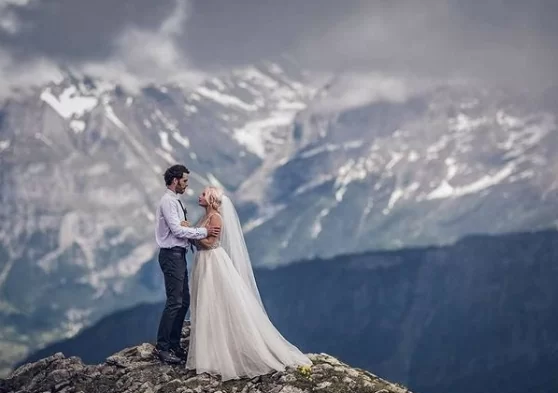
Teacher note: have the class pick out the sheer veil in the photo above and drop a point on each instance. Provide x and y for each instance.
(232, 241)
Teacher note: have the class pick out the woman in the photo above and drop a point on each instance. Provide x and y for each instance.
(231, 334)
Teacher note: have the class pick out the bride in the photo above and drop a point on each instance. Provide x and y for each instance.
(231, 334)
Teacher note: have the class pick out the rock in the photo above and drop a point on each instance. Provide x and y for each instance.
(323, 385)
(137, 370)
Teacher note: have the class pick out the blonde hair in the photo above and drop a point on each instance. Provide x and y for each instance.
(214, 197)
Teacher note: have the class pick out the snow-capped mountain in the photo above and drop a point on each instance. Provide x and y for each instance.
(82, 163)
(451, 161)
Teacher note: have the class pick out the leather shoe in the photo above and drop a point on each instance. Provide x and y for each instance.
(180, 353)
(168, 357)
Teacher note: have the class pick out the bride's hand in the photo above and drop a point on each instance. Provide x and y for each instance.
(185, 223)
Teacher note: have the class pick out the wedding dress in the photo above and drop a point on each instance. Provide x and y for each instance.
(231, 334)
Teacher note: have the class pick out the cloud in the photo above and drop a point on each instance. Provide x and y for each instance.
(130, 43)
(152, 56)
(354, 89)
(17, 78)
(9, 22)
(74, 30)
(225, 33)
(379, 42)
(509, 42)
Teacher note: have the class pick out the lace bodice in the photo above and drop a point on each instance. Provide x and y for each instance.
(202, 222)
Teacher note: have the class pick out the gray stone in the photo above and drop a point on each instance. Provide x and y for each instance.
(136, 370)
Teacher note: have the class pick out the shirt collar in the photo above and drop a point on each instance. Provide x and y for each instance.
(172, 193)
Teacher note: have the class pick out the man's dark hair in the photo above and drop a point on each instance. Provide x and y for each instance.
(175, 171)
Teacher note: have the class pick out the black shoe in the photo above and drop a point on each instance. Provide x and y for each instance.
(180, 353)
(168, 357)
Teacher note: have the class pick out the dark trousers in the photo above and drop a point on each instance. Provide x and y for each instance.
(173, 265)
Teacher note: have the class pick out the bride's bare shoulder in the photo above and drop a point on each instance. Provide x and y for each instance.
(215, 220)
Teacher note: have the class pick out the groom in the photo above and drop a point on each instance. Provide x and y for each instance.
(173, 241)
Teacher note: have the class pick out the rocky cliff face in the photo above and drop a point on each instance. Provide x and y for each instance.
(136, 369)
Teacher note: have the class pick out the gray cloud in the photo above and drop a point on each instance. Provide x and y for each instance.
(503, 41)
(224, 33)
(128, 42)
(73, 30)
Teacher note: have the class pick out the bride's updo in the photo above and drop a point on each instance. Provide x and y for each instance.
(214, 197)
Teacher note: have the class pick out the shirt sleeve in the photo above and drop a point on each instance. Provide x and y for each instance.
(173, 221)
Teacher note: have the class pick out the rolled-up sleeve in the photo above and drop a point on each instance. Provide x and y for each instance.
(173, 221)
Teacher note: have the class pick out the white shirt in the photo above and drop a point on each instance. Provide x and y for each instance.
(168, 231)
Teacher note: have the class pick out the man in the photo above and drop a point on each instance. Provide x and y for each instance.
(173, 242)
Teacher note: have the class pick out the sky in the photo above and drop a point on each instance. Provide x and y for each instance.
(509, 42)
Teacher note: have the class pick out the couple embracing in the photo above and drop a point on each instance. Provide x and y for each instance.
(231, 334)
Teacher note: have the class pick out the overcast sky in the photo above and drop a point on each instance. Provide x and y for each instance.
(136, 41)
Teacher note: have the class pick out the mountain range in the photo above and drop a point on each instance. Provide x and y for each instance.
(82, 163)
(473, 317)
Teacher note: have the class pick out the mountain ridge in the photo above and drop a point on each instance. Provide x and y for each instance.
(472, 317)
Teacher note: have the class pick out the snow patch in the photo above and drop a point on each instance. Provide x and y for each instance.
(317, 227)
(256, 76)
(348, 173)
(214, 181)
(225, 99)
(184, 141)
(331, 147)
(267, 214)
(218, 84)
(395, 158)
(126, 267)
(69, 103)
(445, 190)
(98, 169)
(318, 181)
(452, 167)
(254, 134)
(396, 195)
(463, 122)
(112, 117)
(166, 156)
(164, 136)
(77, 125)
(320, 149)
(519, 141)
(505, 120)
(44, 139)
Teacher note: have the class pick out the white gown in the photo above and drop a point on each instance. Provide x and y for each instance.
(231, 334)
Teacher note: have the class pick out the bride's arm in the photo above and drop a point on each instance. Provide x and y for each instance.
(214, 221)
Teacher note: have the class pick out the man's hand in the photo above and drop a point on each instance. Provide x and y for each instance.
(185, 223)
(213, 231)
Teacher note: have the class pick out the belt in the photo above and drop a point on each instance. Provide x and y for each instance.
(175, 248)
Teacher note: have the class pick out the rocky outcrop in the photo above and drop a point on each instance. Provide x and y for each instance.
(137, 369)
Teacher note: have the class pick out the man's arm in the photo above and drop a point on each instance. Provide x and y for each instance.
(173, 221)
(214, 221)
